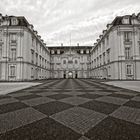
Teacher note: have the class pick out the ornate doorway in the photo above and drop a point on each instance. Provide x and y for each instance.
(70, 74)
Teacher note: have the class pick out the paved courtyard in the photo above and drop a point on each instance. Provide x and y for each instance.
(132, 85)
(70, 109)
(7, 87)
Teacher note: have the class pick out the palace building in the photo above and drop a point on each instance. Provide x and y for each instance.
(70, 61)
(116, 54)
(24, 56)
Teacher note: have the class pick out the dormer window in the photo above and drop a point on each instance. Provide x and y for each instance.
(138, 16)
(125, 20)
(14, 21)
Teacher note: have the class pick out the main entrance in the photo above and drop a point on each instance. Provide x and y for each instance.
(70, 74)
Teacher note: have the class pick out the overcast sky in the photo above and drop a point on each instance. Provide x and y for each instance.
(59, 21)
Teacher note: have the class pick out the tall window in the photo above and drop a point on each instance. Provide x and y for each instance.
(139, 34)
(45, 63)
(12, 71)
(104, 57)
(0, 51)
(32, 73)
(97, 61)
(99, 48)
(13, 54)
(100, 59)
(108, 55)
(64, 61)
(107, 40)
(13, 37)
(103, 44)
(82, 58)
(127, 36)
(36, 59)
(37, 46)
(0, 35)
(32, 56)
(139, 48)
(33, 42)
(40, 60)
(76, 62)
(127, 53)
(109, 71)
(129, 69)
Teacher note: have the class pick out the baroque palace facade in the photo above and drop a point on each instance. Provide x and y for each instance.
(116, 54)
(70, 61)
(25, 56)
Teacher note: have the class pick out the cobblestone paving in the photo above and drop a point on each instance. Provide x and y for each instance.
(70, 109)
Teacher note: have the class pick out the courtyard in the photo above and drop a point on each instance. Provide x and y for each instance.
(70, 109)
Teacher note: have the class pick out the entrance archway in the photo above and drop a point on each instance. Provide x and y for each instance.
(70, 74)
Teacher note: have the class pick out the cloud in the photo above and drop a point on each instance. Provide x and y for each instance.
(58, 21)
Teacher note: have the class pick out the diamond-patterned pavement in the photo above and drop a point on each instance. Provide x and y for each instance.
(70, 109)
(79, 119)
(18, 118)
(113, 100)
(114, 129)
(52, 107)
(101, 107)
(37, 101)
(90, 96)
(127, 114)
(75, 100)
(11, 107)
(59, 96)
